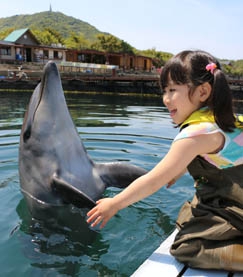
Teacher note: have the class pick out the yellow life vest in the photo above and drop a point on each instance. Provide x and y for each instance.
(205, 115)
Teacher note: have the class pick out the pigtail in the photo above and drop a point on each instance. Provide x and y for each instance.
(221, 102)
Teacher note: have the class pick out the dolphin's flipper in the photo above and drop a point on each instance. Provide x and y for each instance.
(118, 174)
(71, 194)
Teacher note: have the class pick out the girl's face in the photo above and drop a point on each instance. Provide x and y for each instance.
(180, 106)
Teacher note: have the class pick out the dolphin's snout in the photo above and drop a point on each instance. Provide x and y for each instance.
(50, 68)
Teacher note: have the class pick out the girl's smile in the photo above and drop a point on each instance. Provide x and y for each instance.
(172, 113)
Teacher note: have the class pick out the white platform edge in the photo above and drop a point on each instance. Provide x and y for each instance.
(162, 263)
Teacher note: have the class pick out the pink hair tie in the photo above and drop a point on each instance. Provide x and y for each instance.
(211, 67)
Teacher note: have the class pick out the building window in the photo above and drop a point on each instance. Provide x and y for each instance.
(81, 58)
(5, 51)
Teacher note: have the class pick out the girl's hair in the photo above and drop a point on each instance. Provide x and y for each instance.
(189, 67)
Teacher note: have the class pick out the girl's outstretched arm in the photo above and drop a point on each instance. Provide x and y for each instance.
(181, 153)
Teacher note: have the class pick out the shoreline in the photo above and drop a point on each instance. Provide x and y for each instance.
(87, 83)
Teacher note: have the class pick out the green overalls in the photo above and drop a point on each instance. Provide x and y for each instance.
(211, 225)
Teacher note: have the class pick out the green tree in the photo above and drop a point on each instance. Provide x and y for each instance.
(237, 67)
(75, 41)
(110, 43)
(4, 33)
(48, 36)
(159, 57)
(56, 34)
(126, 47)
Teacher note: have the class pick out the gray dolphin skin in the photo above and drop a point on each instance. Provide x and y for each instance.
(54, 167)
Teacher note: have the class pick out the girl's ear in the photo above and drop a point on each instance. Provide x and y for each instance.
(205, 91)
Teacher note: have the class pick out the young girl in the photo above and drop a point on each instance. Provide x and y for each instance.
(210, 146)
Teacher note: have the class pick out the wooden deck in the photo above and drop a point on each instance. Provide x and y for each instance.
(162, 264)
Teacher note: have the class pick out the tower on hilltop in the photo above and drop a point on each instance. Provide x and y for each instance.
(50, 8)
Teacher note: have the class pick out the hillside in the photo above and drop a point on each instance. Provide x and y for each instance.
(60, 22)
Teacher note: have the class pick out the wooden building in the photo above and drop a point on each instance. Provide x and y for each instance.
(86, 56)
(123, 60)
(22, 46)
(130, 61)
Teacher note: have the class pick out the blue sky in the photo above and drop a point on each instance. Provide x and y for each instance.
(215, 26)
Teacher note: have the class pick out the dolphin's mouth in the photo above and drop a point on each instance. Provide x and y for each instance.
(71, 194)
(40, 202)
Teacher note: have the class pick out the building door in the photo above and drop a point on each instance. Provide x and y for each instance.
(28, 54)
(145, 65)
(131, 63)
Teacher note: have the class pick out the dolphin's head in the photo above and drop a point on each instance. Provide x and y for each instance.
(47, 108)
(51, 152)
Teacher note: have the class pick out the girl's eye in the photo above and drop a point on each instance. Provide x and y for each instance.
(168, 90)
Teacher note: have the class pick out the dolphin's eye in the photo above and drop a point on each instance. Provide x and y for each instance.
(27, 134)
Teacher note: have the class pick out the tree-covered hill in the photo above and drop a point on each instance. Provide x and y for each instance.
(58, 21)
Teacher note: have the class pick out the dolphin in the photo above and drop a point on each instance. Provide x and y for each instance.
(54, 167)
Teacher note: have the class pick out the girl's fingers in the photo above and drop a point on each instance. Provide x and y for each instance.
(94, 209)
(95, 216)
(92, 216)
(90, 212)
(97, 221)
(103, 223)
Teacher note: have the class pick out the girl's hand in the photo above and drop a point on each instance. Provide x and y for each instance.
(102, 212)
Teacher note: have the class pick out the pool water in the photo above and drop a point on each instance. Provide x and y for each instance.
(132, 129)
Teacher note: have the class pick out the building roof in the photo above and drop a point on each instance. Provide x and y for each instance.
(15, 35)
(7, 43)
